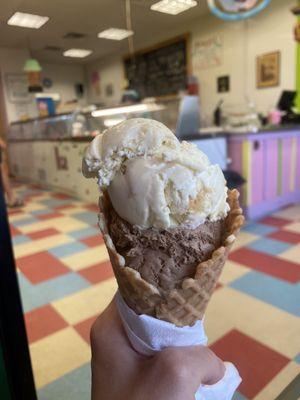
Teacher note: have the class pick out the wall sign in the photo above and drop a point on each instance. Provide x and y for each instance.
(235, 10)
(109, 90)
(207, 53)
(95, 81)
(268, 70)
(223, 84)
(17, 88)
(47, 82)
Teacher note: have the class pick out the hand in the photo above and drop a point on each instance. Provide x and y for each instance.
(119, 372)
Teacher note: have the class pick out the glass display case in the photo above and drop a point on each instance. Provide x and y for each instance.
(57, 127)
(81, 124)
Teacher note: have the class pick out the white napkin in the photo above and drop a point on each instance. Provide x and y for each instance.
(149, 335)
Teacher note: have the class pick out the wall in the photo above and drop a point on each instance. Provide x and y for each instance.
(242, 41)
(111, 72)
(12, 61)
(63, 76)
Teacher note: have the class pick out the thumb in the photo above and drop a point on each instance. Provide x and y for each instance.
(190, 367)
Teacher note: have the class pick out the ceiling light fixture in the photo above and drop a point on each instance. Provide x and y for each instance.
(115, 34)
(127, 109)
(27, 20)
(173, 7)
(78, 53)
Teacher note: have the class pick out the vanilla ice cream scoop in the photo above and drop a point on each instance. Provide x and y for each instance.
(152, 179)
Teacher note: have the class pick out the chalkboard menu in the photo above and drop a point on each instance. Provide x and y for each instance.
(161, 71)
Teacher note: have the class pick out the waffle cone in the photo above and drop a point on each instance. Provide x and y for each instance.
(186, 304)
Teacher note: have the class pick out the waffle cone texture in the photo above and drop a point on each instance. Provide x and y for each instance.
(186, 304)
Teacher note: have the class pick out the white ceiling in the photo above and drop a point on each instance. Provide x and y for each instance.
(88, 17)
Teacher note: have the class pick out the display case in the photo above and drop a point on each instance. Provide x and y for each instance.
(57, 127)
(48, 151)
(82, 124)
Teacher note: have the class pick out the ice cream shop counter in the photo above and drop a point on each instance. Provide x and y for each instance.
(269, 160)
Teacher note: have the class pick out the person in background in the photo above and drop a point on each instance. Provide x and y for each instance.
(12, 201)
(130, 95)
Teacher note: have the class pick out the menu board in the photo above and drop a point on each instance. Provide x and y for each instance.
(160, 71)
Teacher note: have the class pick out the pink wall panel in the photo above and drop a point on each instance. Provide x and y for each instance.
(235, 153)
(298, 164)
(271, 169)
(286, 164)
(257, 171)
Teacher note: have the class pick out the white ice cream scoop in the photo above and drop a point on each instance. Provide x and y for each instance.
(152, 179)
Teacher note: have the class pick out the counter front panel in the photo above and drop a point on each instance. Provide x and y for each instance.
(53, 164)
(270, 163)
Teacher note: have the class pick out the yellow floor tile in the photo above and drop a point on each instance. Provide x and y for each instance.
(292, 254)
(232, 271)
(294, 227)
(216, 322)
(74, 210)
(86, 258)
(34, 206)
(292, 213)
(275, 328)
(58, 354)
(86, 303)
(24, 249)
(17, 217)
(243, 239)
(280, 382)
(63, 224)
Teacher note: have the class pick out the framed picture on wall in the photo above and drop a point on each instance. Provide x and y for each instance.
(268, 70)
(17, 87)
(223, 84)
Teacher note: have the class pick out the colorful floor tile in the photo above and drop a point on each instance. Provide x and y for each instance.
(66, 280)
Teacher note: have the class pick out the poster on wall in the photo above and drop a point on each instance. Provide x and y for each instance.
(109, 90)
(17, 88)
(207, 53)
(223, 84)
(268, 70)
(95, 81)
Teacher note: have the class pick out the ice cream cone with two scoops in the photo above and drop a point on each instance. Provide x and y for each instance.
(167, 218)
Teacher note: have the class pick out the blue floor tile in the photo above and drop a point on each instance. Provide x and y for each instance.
(259, 229)
(19, 239)
(29, 192)
(277, 292)
(55, 202)
(75, 385)
(34, 296)
(238, 396)
(297, 358)
(84, 233)
(269, 246)
(42, 212)
(24, 221)
(67, 249)
(86, 216)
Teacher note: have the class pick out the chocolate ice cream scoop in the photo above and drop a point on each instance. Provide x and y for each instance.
(165, 257)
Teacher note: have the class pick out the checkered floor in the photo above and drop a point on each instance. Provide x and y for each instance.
(66, 280)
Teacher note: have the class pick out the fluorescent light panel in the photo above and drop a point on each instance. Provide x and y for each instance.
(173, 7)
(77, 53)
(108, 122)
(27, 20)
(127, 109)
(115, 34)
